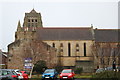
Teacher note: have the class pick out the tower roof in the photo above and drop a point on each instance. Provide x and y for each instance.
(19, 25)
(33, 11)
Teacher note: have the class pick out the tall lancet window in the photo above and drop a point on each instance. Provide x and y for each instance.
(69, 49)
(53, 45)
(77, 47)
(84, 49)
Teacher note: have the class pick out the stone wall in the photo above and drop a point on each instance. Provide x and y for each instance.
(74, 55)
(21, 49)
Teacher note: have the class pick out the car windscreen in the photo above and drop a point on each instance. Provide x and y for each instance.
(49, 71)
(66, 71)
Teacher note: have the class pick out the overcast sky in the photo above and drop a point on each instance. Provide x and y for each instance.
(57, 13)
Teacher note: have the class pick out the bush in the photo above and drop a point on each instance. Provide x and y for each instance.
(59, 68)
(106, 75)
(78, 70)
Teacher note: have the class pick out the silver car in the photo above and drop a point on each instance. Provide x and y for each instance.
(8, 74)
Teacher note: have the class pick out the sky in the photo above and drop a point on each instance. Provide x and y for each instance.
(103, 14)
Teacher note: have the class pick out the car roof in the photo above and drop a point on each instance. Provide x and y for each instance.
(67, 69)
(7, 69)
(50, 69)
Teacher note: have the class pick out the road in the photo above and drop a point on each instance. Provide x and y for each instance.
(59, 79)
(78, 79)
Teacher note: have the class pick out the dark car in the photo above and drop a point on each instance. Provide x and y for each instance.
(8, 74)
(67, 74)
(49, 74)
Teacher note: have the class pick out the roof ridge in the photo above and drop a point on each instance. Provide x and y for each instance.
(66, 28)
(106, 29)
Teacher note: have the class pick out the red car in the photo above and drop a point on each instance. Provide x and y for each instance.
(25, 75)
(67, 74)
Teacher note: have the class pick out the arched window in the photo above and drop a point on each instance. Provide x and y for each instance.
(77, 47)
(53, 44)
(61, 44)
(69, 49)
(84, 49)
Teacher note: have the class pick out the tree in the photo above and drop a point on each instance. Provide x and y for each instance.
(40, 66)
(35, 50)
(39, 51)
(104, 54)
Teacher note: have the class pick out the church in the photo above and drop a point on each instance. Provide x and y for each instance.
(72, 46)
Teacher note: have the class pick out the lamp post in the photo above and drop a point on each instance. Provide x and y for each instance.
(114, 65)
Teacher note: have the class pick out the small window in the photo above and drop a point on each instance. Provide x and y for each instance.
(32, 20)
(77, 50)
(28, 20)
(35, 20)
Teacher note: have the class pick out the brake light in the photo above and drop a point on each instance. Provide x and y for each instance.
(18, 74)
(14, 76)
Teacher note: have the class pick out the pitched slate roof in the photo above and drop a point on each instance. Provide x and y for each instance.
(65, 34)
(107, 35)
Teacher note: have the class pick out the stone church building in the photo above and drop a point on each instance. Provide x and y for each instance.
(71, 46)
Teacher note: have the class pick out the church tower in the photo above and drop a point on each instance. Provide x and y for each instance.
(32, 19)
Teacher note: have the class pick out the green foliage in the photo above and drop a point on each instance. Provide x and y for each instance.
(39, 67)
(78, 70)
(106, 75)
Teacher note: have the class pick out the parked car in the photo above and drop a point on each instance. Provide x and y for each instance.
(109, 69)
(2, 76)
(118, 68)
(25, 75)
(49, 74)
(8, 74)
(100, 70)
(67, 74)
(20, 76)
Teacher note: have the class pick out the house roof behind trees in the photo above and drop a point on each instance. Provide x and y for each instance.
(107, 35)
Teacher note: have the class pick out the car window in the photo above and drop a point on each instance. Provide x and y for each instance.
(49, 71)
(66, 71)
(5, 72)
(14, 72)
